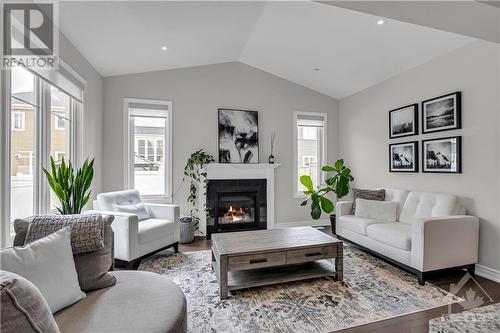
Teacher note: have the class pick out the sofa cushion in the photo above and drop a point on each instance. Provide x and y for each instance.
(379, 210)
(48, 263)
(153, 229)
(139, 302)
(357, 224)
(106, 201)
(394, 234)
(22, 306)
(136, 209)
(420, 205)
(396, 195)
(366, 194)
(92, 267)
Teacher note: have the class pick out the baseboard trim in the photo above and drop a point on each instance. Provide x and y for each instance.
(318, 223)
(488, 273)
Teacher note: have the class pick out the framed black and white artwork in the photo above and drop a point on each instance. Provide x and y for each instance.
(238, 136)
(403, 157)
(442, 113)
(403, 121)
(442, 155)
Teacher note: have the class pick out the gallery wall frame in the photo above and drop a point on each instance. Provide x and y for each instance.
(404, 157)
(403, 121)
(442, 155)
(238, 136)
(442, 113)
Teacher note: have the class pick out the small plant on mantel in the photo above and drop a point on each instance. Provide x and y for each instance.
(197, 176)
(337, 181)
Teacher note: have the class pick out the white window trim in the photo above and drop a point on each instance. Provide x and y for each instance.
(321, 161)
(23, 121)
(129, 144)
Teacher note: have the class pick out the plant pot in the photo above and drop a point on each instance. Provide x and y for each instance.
(333, 218)
(187, 228)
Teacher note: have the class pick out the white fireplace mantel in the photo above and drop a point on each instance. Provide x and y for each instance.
(240, 171)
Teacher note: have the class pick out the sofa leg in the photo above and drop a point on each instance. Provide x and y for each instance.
(471, 269)
(421, 278)
(176, 247)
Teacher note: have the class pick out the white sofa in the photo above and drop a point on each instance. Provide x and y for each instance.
(134, 239)
(431, 232)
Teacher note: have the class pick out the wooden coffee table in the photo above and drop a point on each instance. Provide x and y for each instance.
(257, 258)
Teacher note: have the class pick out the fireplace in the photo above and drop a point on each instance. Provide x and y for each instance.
(236, 205)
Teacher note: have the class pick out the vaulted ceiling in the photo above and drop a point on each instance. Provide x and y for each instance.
(329, 49)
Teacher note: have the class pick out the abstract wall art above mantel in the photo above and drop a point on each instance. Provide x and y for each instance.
(238, 136)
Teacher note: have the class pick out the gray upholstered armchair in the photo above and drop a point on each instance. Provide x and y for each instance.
(139, 228)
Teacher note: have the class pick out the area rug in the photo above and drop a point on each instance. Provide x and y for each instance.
(372, 290)
(485, 319)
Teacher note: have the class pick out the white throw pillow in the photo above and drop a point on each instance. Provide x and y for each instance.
(48, 263)
(379, 210)
(137, 209)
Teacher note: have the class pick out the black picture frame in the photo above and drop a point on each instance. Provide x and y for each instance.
(456, 97)
(457, 152)
(414, 145)
(413, 117)
(229, 120)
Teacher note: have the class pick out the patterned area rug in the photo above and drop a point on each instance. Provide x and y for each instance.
(485, 319)
(372, 290)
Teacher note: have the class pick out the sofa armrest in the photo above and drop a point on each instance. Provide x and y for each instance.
(343, 208)
(126, 233)
(163, 211)
(444, 242)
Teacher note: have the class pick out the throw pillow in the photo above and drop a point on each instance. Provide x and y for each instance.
(137, 209)
(49, 264)
(378, 195)
(87, 230)
(379, 210)
(92, 267)
(22, 307)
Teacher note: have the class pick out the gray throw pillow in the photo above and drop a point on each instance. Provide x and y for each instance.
(22, 307)
(92, 267)
(378, 195)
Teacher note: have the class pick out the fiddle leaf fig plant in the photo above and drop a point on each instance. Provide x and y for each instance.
(194, 171)
(337, 181)
(72, 189)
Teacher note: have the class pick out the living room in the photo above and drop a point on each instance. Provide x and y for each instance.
(244, 166)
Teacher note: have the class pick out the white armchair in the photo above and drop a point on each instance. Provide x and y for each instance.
(148, 229)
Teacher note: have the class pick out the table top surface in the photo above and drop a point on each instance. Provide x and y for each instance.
(271, 240)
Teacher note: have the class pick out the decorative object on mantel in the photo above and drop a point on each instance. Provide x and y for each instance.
(194, 170)
(403, 157)
(71, 189)
(442, 155)
(403, 121)
(271, 157)
(442, 113)
(238, 136)
(338, 183)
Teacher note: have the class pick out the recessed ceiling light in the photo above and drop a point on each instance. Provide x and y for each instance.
(316, 69)
(381, 22)
(164, 48)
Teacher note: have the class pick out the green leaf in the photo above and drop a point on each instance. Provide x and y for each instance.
(326, 205)
(303, 203)
(307, 182)
(339, 164)
(328, 168)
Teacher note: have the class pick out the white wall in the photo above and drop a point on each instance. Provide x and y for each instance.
(93, 108)
(363, 134)
(197, 93)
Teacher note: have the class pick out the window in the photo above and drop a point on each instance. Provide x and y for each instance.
(18, 120)
(149, 165)
(309, 148)
(40, 114)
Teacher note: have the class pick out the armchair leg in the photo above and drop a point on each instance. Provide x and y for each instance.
(421, 278)
(471, 269)
(176, 247)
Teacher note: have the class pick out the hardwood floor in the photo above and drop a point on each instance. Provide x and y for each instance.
(477, 288)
